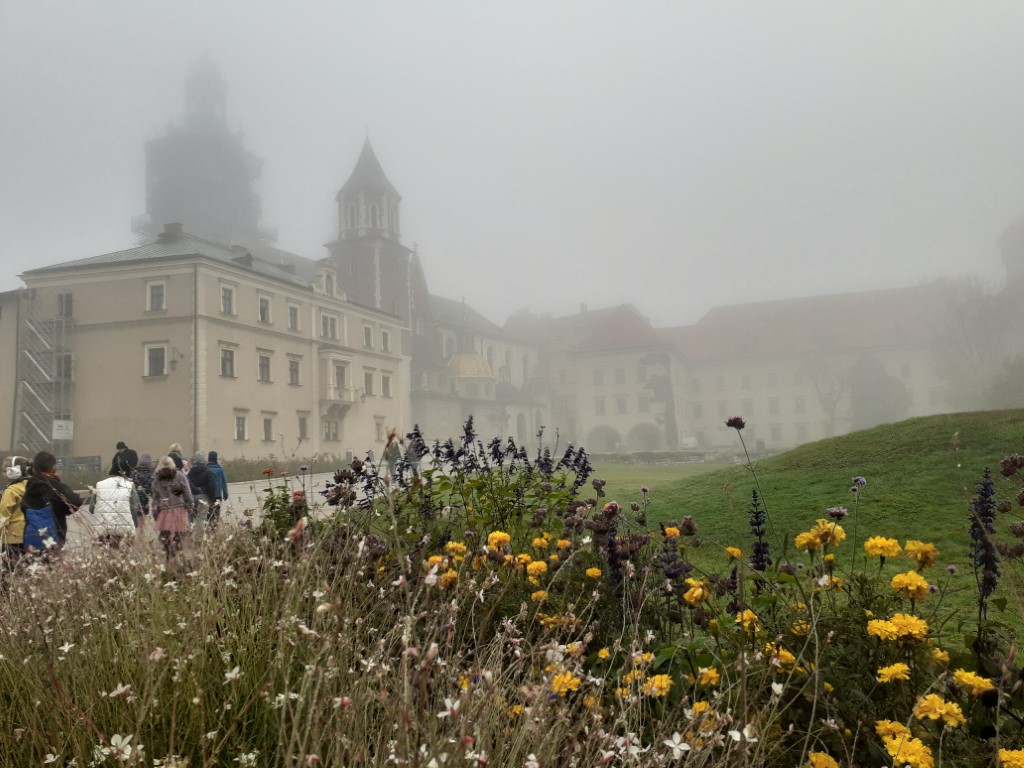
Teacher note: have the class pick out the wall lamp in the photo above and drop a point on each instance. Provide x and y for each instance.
(175, 357)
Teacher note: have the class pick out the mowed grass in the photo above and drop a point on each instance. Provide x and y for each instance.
(624, 480)
(918, 487)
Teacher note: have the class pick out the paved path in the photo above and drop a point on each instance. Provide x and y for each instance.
(244, 495)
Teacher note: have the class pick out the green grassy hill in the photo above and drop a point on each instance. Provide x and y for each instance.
(918, 486)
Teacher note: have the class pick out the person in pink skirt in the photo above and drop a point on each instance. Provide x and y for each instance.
(169, 504)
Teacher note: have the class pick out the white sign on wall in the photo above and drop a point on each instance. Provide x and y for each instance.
(63, 429)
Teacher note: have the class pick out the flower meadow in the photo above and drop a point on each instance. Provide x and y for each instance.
(486, 607)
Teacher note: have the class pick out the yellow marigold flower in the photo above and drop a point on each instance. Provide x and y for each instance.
(879, 546)
(909, 751)
(801, 627)
(821, 760)
(541, 543)
(779, 656)
(940, 656)
(898, 671)
(434, 560)
(657, 685)
(591, 700)
(645, 658)
(509, 559)
(909, 625)
(1011, 758)
(934, 707)
(734, 552)
(523, 559)
(603, 654)
(564, 682)
(912, 584)
(697, 593)
(808, 540)
(455, 548)
(515, 710)
(829, 532)
(622, 693)
(973, 682)
(886, 728)
(447, 578)
(537, 568)
(498, 540)
(700, 707)
(883, 629)
(827, 687)
(709, 676)
(924, 554)
(632, 676)
(563, 544)
(552, 558)
(593, 573)
(672, 533)
(538, 596)
(748, 620)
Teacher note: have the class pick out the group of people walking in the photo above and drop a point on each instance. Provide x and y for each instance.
(174, 493)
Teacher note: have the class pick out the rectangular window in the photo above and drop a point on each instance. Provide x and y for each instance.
(264, 368)
(776, 433)
(598, 377)
(620, 404)
(799, 405)
(293, 318)
(268, 429)
(367, 337)
(745, 381)
(264, 309)
(328, 327)
(379, 426)
(65, 305)
(156, 360)
(303, 427)
(748, 407)
(227, 362)
(385, 341)
(620, 375)
(772, 380)
(599, 406)
(330, 431)
(241, 433)
(341, 377)
(293, 372)
(773, 406)
(155, 298)
(643, 403)
(227, 300)
(385, 385)
(368, 383)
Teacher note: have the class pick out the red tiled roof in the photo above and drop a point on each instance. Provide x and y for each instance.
(850, 321)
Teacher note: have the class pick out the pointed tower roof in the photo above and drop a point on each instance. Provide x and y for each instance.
(368, 174)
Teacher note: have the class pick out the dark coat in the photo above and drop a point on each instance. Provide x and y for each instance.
(124, 461)
(41, 490)
(202, 481)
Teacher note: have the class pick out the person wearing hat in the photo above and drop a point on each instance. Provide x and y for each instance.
(124, 461)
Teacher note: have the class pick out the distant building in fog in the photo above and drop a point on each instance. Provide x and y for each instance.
(206, 334)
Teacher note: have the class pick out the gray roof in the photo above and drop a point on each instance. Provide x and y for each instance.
(368, 173)
(173, 246)
(461, 315)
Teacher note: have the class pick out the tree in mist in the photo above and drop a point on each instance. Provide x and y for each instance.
(972, 344)
(830, 384)
(660, 385)
(876, 397)
(1007, 388)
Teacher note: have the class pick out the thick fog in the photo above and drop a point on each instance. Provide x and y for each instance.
(673, 155)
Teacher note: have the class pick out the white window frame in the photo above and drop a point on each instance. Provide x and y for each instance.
(302, 420)
(385, 385)
(367, 337)
(231, 350)
(145, 358)
(267, 425)
(294, 312)
(295, 366)
(260, 299)
(162, 285)
(226, 291)
(368, 382)
(385, 340)
(328, 321)
(241, 419)
(262, 354)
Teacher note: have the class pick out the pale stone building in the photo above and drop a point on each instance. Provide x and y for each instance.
(183, 340)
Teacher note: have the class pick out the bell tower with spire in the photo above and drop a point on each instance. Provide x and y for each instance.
(373, 265)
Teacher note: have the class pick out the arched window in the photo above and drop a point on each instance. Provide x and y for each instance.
(374, 216)
(329, 284)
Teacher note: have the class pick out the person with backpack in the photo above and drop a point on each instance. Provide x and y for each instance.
(45, 489)
(203, 486)
(12, 519)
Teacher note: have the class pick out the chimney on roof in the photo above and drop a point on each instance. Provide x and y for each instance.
(583, 308)
(171, 232)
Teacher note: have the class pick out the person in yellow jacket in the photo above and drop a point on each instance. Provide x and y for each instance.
(12, 519)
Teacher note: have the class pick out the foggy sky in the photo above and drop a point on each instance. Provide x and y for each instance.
(674, 155)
